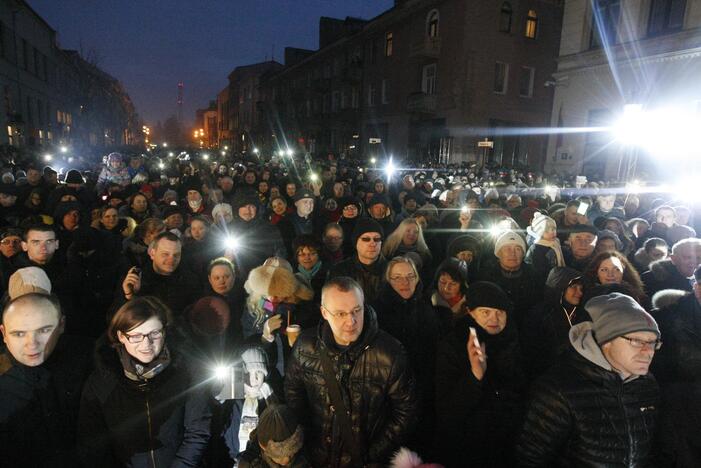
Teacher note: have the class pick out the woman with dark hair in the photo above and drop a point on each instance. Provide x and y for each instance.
(278, 209)
(449, 290)
(141, 404)
(135, 247)
(34, 204)
(614, 268)
(139, 208)
(223, 282)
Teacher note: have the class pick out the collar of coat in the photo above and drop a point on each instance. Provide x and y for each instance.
(367, 336)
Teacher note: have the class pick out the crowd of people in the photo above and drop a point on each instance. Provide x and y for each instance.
(264, 313)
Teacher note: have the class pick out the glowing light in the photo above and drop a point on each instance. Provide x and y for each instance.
(171, 154)
(70, 159)
(221, 372)
(390, 169)
(205, 156)
(232, 243)
(48, 157)
(281, 153)
(373, 160)
(495, 230)
(223, 153)
(64, 149)
(290, 153)
(161, 165)
(255, 151)
(226, 148)
(165, 145)
(314, 177)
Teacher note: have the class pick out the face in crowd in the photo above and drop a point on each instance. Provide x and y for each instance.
(221, 278)
(144, 342)
(31, 328)
(492, 320)
(40, 246)
(369, 246)
(582, 244)
(343, 310)
(165, 256)
(403, 279)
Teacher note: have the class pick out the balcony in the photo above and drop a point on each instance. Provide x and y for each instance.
(429, 47)
(421, 103)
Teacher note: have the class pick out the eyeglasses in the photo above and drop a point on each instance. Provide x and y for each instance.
(10, 242)
(343, 315)
(376, 240)
(334, 238)
(399, 278)
(640, 344)
(139, 337)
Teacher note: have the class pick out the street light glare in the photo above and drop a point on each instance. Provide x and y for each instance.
(205, 156)
(390, 169)
(255, 151)
(165, 145)
(64, 149)
(48, 157)
(290, 153)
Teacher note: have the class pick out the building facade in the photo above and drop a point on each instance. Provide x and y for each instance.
(51, 96)
(614, 55)
(424, 81)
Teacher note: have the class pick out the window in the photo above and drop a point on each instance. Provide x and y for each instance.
(432, 24)
(501, 77)
(428, 79)
(372, 95)
(355, 98)
(532, 24)
(389, 43)
(604, 29)
(505, 17)
(666, 15)
(385, 97)
(525, 84)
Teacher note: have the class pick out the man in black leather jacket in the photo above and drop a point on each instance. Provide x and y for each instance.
(375, 381)
(599, 405)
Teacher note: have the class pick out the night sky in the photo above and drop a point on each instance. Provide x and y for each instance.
(151, 45)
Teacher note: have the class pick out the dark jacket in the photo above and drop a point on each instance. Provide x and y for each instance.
(39, 405)
(378, 387)
(546, 330)
(476, 421)
(581, 413)
(522, 287)
(258, 241)
(162, 422)
(664, 275)
(677, 366)
(369, 276)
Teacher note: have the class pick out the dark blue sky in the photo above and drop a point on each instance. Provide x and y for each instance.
(151, 45)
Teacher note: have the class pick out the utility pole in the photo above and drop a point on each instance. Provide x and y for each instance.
(181, 87)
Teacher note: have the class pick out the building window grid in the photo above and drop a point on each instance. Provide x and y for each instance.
(605, 17)
(389, 44)
(372, 95)
(532, 24)
(428, 79)
(666, 16)
(432, 23)
(526, 82)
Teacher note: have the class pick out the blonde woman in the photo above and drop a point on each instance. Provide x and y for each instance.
(407, 237)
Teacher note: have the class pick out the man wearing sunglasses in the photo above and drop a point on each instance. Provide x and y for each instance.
(368, 265)
(598, 405)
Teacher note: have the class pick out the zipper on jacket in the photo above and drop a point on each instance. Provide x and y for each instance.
(150, 433)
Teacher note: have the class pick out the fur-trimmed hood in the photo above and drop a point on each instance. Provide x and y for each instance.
(268, 280)
(667, 297)
(641, 258)
(663, 269)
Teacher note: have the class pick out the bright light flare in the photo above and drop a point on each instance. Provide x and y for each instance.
(290, 153)
(314, 177)
(171, 154)
(232, 243)
(373, 160)
(390, 169)
(205, 156)
(495, 230)
(64, 149)
(256, 151)
(48, 157)
(161, 165)
(165, 145)
(221, 372)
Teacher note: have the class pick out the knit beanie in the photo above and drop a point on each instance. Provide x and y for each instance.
(220, 209)
(379, 199)
(74, 177)
(210, 316)
(539, 224)
(279, 432)
(365, 225)
(615, 315)
(487, 294)
(509, 237)
(28, 280)
(254, 360)
(244, 197)
(606, 234)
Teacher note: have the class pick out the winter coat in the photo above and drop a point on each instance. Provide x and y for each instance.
(369, 276)
(162, 422)
(642, 260)
(177, 290)
(677, 367)
(378, 389)
(252, 457)
(39, 405)
(581, 413)
(522, 288)
(476, 421)
(546, 330)
(664, 275)
(415, 324)
(258, 242)
(293, 226)
(135, 252)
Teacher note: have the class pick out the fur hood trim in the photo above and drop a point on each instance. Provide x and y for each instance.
(268, 280)
(667, 297)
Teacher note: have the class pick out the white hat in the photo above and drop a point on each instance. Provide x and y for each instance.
(509, 238)
(28, 280)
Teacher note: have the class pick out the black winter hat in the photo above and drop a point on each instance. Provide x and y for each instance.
(487, 294)
(63, 208)
(302, 194)
(170, 210)
(464, 242)
(244, 197)
(74, 177)
(379, 198)
(582, 228)
(364, 225)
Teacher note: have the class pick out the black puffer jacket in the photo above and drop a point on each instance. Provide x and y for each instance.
(375, 379)
(369, 276)
(582, 413)
(664, 275)
(163, 422)
(677, 366)
(476, 421)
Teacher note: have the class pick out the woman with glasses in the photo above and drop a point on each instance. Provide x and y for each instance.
(141, 407)
(480, 383)
(406, 314)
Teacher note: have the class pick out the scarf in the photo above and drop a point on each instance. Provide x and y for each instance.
(309, 274)
(555, 245)
(138, 372)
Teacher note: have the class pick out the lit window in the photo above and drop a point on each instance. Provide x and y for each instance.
(389, 43)
(531, 24)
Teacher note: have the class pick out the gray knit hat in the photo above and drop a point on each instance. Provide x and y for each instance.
(615, 315)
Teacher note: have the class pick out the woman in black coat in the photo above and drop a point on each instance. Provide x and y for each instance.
(479, 388)
(404, 313)
(141, 407)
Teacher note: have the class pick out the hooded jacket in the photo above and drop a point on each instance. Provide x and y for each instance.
(377, 385)
(664, 275)
(582, 413)
(162, 422)
(369, 276)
